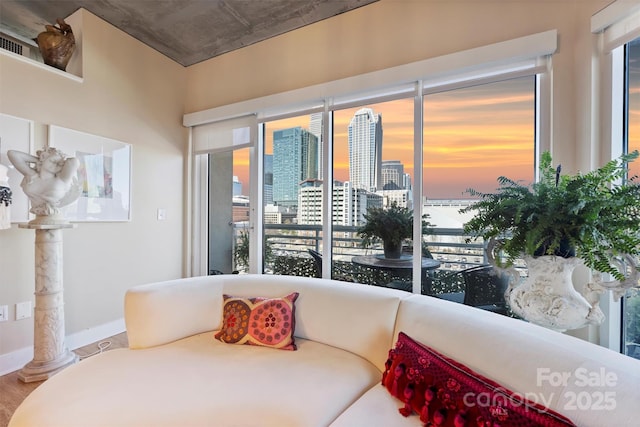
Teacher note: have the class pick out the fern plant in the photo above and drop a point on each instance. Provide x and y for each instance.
(588, 213)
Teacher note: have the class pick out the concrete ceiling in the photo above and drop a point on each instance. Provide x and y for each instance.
(187, 31)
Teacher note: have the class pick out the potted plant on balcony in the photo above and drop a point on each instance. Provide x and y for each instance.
(392, 226)
(241, 251)
(557, 224)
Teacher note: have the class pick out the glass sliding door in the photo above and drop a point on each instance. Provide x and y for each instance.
(292, 195)
(372, 174)
(221, 208)
(472, 136)
(228, 208)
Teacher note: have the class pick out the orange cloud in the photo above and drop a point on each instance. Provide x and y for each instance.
(470, 136)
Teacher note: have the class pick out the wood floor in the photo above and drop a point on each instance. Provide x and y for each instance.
(13, 391)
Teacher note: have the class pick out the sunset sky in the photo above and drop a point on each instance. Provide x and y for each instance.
(634, 103)
(471, 137)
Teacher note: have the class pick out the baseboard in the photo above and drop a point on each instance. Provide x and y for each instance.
(15, 360)
(100, 332)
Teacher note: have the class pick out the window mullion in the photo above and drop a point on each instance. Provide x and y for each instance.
(327, 190)
(418, 132)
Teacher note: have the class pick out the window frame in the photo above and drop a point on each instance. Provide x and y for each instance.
(625, 149)
(612, 27)
(528, 55)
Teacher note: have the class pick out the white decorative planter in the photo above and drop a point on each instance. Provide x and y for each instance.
(548, 298)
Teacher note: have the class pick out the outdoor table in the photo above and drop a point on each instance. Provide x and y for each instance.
(402, 266)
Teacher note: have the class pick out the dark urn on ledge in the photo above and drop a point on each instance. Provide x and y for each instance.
(57, 44)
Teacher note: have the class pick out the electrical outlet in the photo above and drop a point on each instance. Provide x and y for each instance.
(4, 313)
(23, 310)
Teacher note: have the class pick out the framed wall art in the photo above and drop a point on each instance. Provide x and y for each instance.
(16, 134)
(104, 175)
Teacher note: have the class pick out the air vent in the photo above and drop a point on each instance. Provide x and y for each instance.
(14, 45)
(10, 45)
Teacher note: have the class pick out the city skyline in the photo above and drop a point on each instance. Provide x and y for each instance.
(471, 136)
(467, 123)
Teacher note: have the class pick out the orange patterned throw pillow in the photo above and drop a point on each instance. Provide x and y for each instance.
(268, 322)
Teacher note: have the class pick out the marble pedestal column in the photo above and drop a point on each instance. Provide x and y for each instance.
(50, 353)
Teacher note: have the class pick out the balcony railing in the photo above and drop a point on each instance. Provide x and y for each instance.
(445, 244)
(290, 243)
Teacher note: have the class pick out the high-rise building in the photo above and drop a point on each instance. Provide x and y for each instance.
(274, 214)
(396, 185)
(393, 175)
(268, 179)
(295, 159)
(407, 181)
(240, 209)
(401, 197)
(237, 186)
(310, 202)
(349, 204)
(365, 150)
(315, 127)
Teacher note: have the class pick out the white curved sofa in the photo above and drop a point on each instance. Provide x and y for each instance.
(176, 374)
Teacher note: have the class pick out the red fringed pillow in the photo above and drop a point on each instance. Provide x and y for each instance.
(444, 392)
(268, 322)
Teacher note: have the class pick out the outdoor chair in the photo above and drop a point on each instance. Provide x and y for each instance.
(317, 262)
(338, 273)
(484, 288)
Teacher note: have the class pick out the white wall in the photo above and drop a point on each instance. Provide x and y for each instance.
(129, 93)
(395, 32)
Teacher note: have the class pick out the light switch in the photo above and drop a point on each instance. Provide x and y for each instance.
(23, 310)
(162, 214)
